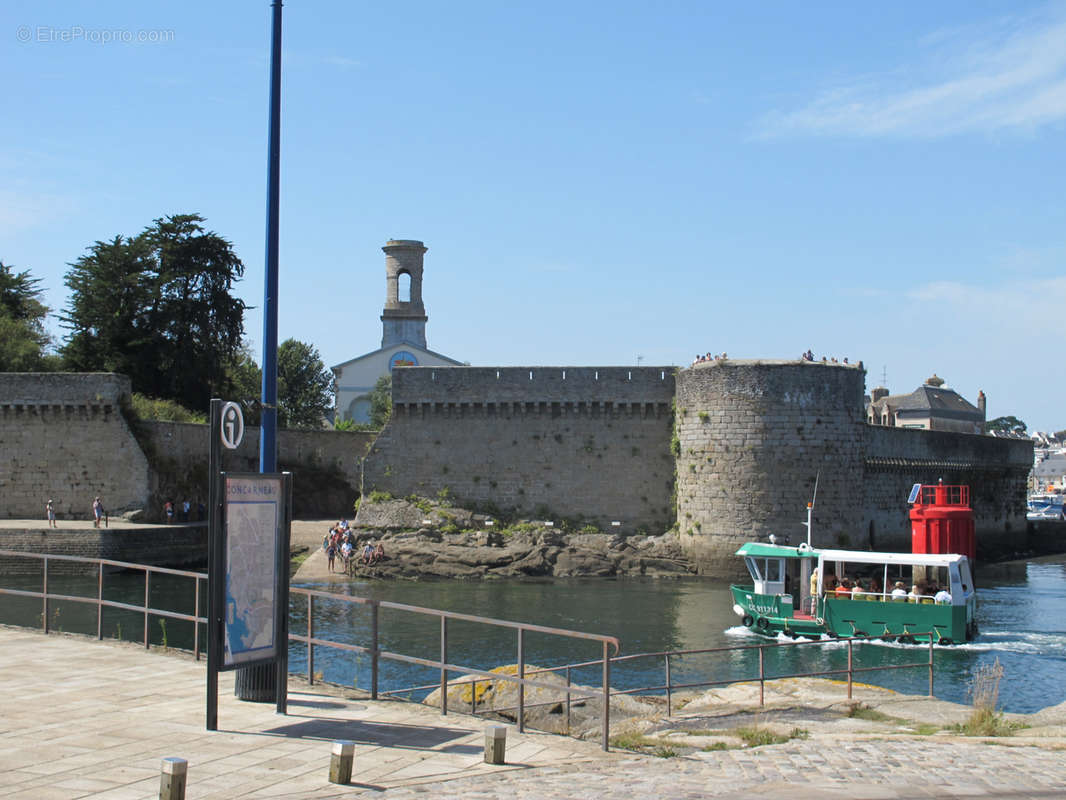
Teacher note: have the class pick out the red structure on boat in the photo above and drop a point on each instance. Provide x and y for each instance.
(942, 520)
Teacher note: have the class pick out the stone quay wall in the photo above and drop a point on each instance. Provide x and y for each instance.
(63, 436)
(180, 546)
(995, 470)
(752, 436)
(582, 443)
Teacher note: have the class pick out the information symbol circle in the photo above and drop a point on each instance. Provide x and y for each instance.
(232, 426)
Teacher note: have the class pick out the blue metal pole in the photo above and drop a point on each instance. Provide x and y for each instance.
(268, 439)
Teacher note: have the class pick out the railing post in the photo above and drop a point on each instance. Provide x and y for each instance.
(521, 676)
(668, 692)
(930, 664)
(147, 587)
(849, 668)
(374, 649)
(195, 613)
(44, 592)
(606, 698)
(762, 676)
(443, 671)
(567, 699)
(473, 697)
(310, 636)
(100, 600)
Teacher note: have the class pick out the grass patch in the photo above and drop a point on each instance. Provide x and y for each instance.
(296, 558)
(985, 720)
(642, 744)
(862, 711)
(716, 746)
(926, 728)
(756, 736)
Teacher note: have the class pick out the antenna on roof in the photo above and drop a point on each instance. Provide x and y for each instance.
(884, 375)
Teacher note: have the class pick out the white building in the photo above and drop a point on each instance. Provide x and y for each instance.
(403, 335)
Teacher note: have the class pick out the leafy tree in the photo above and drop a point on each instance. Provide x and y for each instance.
(305, 386)
(244, 384)
(381, 402)
(158, 307)
(1006, 425)
(22, 335)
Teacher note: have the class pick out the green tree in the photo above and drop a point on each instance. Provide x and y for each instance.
(22, 336)
(305, 386)
(381, 402)
(158, 307)
(1006, 425)
(244, 384)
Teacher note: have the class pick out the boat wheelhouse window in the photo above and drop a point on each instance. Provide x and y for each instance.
(766, 569)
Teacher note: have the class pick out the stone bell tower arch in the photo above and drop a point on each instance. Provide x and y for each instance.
(404, 317)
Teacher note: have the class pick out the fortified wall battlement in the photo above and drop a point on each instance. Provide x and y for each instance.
(749, 440)
(63, 436)
(576, 442)
(69, 440)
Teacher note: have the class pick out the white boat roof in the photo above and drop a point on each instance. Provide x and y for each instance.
(909, 559)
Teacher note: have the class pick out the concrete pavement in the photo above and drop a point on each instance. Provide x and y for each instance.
(81, 718)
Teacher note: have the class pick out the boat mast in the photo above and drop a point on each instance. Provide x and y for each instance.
(810, 507)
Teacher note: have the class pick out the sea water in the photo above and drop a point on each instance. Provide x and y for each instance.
(1021, 614)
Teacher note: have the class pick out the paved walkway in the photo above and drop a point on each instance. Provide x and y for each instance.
(81, 718)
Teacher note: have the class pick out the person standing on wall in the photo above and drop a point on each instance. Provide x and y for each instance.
(51, 511)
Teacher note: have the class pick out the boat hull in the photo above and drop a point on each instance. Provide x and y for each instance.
(866, 615)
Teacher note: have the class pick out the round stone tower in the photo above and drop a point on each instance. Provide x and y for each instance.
(403, 319)
(751, 437)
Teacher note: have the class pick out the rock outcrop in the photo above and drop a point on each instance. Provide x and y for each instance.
(431, 540)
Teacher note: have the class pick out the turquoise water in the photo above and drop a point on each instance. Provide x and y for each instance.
(1022, 618)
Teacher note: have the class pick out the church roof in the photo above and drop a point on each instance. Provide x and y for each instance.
(404, 344)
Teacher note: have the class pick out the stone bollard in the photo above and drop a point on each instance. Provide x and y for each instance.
(172, 779)
(495, 744)
(340, 762)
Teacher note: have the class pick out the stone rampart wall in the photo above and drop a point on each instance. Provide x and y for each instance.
(182, 546)
(558, 442)
(63, 436)
(994, 469)
(752, 436)
(325, 464)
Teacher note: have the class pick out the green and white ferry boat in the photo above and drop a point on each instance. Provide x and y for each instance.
(783, 598)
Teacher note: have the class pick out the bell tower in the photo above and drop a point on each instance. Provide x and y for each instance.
(404, 317)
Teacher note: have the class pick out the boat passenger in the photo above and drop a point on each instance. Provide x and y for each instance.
(843, 588)
(900, 591)
(857, 590)
(875, 586)
(915, 594)
(942, 597)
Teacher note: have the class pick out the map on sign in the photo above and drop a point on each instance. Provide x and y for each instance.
(253, 514)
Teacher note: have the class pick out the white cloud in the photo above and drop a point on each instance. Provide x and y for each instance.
(1010, 78)
(1033, 308)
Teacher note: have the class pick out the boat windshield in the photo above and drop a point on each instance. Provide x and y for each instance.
(764, 569)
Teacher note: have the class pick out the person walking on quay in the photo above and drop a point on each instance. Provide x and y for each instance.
(98, 512)
(51, 511)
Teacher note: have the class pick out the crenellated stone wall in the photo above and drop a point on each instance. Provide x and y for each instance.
(63, 436)
(589, 443)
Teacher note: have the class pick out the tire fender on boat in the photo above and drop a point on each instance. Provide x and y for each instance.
(762, 623)
(746, 622)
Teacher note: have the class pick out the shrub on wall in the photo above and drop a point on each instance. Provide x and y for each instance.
(156, 409)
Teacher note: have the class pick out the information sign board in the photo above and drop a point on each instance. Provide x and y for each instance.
(254, 515)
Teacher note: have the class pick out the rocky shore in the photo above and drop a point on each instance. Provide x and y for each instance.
(424, 539)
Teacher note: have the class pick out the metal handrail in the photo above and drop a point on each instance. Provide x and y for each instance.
(45, 596)
(443, 664)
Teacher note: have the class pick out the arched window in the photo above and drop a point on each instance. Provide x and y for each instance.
(404, 287)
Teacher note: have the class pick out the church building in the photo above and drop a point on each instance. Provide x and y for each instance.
(403, 333)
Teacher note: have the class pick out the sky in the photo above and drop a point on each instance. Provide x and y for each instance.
(597, 183)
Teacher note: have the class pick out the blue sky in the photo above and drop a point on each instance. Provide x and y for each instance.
(597, 183)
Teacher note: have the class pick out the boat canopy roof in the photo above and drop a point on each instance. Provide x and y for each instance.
(909, 559)
(760, 550)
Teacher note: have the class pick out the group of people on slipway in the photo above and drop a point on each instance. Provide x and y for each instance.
(340, 541)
